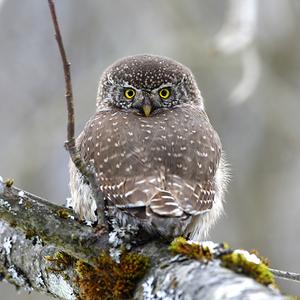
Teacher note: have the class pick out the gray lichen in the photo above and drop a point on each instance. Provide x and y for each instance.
(21, 195)
(60, 287)
(7, 245)
(147, 288)
(120, 237)
(1, 185)
(40, 281)
(18, 278)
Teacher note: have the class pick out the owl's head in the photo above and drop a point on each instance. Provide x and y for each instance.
(146, 84)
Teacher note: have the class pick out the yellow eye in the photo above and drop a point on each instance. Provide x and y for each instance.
(164, 93)
(129, 93)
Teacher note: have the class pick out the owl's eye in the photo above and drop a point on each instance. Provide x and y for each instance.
(164, 93)
(129, 93)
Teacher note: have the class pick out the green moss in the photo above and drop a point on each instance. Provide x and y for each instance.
(234, 261)
(30, 233)
(13, 224)
(107, 279)
(28, 204)
(190, 249)
(63, 213)
(61, 260)
(240, 264)
(9, 182)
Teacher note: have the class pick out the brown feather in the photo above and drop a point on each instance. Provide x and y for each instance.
(137, 159)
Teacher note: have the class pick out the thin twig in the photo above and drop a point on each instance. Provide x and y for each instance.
(285, 275)
(70, 143)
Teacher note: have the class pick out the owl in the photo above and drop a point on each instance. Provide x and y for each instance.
(156, 158)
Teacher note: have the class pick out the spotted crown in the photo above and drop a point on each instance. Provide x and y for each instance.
(147, 73)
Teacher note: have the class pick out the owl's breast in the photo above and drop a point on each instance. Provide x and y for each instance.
(183, 142)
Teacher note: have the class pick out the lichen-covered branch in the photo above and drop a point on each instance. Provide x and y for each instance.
(51, 223)
(23, 264)
(43, 247)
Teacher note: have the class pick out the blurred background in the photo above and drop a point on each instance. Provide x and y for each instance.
(245, 55)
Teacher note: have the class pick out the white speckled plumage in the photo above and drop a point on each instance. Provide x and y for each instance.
(165, 172)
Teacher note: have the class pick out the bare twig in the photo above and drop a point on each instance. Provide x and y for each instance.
(70, 143)
(286, 275)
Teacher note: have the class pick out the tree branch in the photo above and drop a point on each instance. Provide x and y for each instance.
(33, 231)
(51, 223)
(286, 275)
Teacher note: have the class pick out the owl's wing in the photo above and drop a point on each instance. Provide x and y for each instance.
(191, 180)
(191, 198)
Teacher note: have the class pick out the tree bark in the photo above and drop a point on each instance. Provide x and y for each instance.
(33, 230)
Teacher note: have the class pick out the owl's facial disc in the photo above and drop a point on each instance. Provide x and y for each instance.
(146, 101)
(150, 101)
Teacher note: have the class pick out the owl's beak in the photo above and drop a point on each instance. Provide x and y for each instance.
(147, 109)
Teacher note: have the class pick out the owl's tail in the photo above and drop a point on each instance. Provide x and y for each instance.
(164, 204)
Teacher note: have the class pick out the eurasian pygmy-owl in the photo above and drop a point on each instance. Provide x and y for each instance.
(156, 157)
